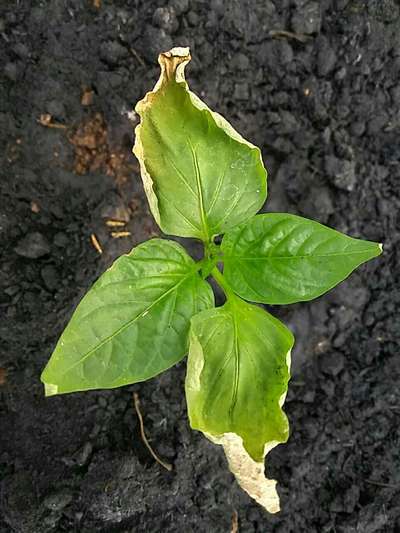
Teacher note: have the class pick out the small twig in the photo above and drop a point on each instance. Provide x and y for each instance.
(115, 223)
(87, 96)
(135, 54)
(380, 484)
(279, 34)
(35, 207)
(235, 522)
(3, 376)
(96, 243)
(46, 120)
(119, 234)
(143, 435)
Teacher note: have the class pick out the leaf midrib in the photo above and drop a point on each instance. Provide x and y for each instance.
(199, 190)
(272, 257)
(236, 349)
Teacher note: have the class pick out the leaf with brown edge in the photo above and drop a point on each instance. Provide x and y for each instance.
(200, 176)
(236, 383)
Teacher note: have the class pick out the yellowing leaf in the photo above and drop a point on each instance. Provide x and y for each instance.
(238, 370)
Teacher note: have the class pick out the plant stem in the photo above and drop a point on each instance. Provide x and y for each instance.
(219, 278)
(211, 250)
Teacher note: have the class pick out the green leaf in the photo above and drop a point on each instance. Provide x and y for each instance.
(277, 258)
(238, 370)
(200, 176)
(133, 323)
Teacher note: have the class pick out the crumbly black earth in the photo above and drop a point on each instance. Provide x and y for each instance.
(323, 104)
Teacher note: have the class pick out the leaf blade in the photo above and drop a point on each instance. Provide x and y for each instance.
(278, 258)
(132, 324)
(193, 163)
(235, 388)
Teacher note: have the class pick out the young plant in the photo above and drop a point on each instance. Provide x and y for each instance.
(154, 305)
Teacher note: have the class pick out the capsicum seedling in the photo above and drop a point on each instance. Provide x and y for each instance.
(154, 305)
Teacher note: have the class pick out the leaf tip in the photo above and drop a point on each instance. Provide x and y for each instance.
(173, 63)
(50, 389)
(248, 472)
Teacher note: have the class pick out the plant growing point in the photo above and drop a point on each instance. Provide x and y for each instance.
(154, 306)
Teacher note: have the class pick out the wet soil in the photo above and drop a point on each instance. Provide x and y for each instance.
(316, 86)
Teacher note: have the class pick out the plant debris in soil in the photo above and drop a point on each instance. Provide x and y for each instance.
(316, 85)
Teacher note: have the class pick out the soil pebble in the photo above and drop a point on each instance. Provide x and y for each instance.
(180, 6)
(58, 500)
(11, 71)
(34, 245)
(341, 172)
(165, 18)
(326, 58)
(50, 277)
(307, 18)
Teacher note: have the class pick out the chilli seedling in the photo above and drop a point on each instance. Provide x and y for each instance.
(154, 305)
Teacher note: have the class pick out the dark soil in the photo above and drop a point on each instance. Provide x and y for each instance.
(323, 103)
